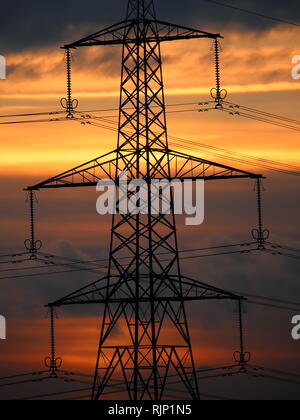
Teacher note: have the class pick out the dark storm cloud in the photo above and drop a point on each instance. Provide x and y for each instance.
(36, 24)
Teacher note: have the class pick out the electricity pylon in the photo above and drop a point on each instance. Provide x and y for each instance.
(144, 293)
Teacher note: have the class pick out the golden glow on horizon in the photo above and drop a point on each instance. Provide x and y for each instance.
(252, 63)
(77, 342)
(193, 90)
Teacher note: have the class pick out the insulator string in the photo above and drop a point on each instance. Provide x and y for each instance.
(69, 103)
(217, 93)
(241, 357)
(260, 234)
(52, 362)
(32, 245)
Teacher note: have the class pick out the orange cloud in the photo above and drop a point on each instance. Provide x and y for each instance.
(256, 71)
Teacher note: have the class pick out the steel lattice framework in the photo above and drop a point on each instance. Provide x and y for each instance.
(147, 295)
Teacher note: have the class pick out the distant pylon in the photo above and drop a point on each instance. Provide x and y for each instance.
(144, 292)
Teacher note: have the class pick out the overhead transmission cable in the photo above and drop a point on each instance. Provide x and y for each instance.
(255, 371)
(252, 12)
(216, 151)
(234, 156)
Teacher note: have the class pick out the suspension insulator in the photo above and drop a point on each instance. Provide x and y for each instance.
(260, 235)
(217, 93)
(52, 362)
(68, 103)
(241, 357)
(32, 245)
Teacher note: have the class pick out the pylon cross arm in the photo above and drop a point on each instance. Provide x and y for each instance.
(183, 166)
(119, 292)
(121, 33)
(87, 174)
(191, 167)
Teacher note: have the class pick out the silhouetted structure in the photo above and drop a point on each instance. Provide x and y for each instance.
(144, 290)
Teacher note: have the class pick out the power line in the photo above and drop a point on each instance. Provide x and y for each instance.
(283, 254)
(276, 371)
(272, 305)
(231, 152)
(263, 116)
(35, 121)
(136, 315)
(275, 378)
(76, 262)
(12, 255)
(254, 299)
(255, 161)
(50, 113)
(251, 12)
(36, 114)
(188, 146)
(96, 268)
(260, 119)
(288, 248)
(260, 162)
(269, 299)
(266, 114)
(42, 372)
(256, 371)
(64, 393)
(57, 394)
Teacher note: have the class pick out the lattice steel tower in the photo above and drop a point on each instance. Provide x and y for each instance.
(144, 292)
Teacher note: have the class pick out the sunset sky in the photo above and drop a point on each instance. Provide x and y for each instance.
(256, 63)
